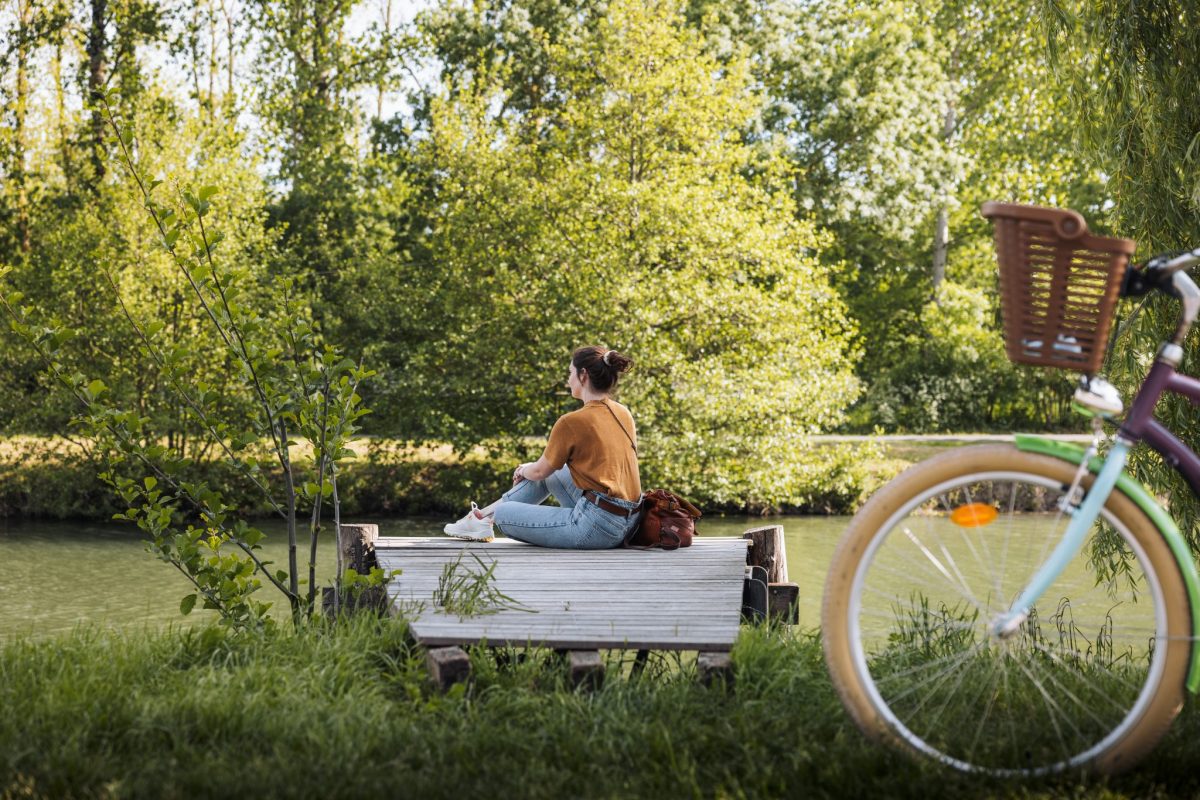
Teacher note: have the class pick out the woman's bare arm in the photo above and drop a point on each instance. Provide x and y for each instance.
(535, 471)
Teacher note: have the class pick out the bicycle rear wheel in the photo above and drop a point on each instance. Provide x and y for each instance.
(1091, 680)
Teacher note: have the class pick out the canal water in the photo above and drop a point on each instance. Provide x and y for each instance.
(55, 576)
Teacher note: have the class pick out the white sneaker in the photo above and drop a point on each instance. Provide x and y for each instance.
(471, 527)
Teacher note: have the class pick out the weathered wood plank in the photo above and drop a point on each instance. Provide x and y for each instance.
(578, 600)
(357, 543)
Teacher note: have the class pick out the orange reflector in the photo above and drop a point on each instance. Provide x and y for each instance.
(973, 515)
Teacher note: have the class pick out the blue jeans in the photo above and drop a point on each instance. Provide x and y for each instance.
(578, 523)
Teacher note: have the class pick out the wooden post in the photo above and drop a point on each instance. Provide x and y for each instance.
(783, 602)
(586, 669)
(358, 547)
(448, 666)
(715, 668)
(767, 551)
(358, 554)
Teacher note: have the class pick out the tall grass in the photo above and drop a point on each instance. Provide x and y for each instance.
(347, 712)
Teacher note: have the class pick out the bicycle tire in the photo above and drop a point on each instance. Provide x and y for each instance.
(1118, 696)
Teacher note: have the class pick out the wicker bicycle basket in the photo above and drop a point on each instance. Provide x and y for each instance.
(1058, 285)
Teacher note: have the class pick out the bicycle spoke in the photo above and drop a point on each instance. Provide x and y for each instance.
(1050, 706)
(1060, 687)
(941, 675)
(967, 595)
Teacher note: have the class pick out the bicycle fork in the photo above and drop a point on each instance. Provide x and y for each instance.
(1068, 547)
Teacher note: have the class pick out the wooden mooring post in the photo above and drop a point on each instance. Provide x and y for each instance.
(447, 666)
(585, 669)
(767, 550)
(715, 669)
(358, 554)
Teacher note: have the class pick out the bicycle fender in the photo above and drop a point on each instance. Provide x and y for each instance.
(1161, 519)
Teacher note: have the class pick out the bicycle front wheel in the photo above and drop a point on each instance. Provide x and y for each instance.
(1090, 680)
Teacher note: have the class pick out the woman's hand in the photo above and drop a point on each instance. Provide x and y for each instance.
(532, 471)
(519, 473)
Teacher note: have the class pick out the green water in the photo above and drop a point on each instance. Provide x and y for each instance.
(55, 576)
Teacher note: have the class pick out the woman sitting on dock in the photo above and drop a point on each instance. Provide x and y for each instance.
(590, 465)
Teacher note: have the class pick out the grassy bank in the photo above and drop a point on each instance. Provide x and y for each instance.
(45, 477)
(347, 713)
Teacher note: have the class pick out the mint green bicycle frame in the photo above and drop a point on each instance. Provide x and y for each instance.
(1111, 475)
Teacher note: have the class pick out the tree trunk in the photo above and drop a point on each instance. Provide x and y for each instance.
(19, 175)
(97, 78)
(387, 32)
(230, 46)
(941, 243)
(193, 35)
(60, 107)
(941, 230)
(212, 55)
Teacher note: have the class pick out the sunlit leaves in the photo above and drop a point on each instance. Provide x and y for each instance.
(626, 215)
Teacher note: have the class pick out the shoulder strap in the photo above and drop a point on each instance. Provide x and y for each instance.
(621, 425)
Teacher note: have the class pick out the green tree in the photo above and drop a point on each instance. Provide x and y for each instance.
(310, 70)
(84, 252)
(297, 386)
(624, 215)
(902, 120)
(1135, 94)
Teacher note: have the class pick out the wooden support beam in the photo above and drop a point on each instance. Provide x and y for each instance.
(447, 666)
(358, 547)
(767, 551)
(783, 602)
(358, 554)
(715, 668)
(586, 669)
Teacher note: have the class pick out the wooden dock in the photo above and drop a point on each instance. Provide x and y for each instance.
(687, 599)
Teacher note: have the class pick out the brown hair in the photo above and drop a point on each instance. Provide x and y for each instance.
(604, 367)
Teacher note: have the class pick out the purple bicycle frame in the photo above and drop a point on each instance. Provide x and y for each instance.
(1141, 426)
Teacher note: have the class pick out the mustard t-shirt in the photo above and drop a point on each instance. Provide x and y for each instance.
(592, 442)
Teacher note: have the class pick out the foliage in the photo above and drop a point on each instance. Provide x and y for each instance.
(1138, 103)
(903, 119)
(52, 479)
(305, 82)
(81, 254)
(745, 196)
(951, 374)
(624, 215)
(299, 386)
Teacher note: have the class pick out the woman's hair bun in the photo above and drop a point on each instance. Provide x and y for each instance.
(617, 361)
(603, 366)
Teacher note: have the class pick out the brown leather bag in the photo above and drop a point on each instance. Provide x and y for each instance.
(668, 521)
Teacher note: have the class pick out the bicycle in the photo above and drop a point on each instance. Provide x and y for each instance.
(1026, 609)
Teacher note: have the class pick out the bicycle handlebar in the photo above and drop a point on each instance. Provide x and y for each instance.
(1164, 265)
(1166, 273)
